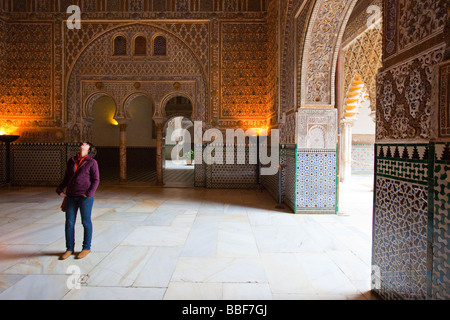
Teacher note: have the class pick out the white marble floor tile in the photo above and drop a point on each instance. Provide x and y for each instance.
(12, 254)
(159, 268)
(194, 291)
(121, 267)
(48, 263)
(8, 280)
(284, 274)
(115, 293)
(236, 240)
(37, 233)
(184, 220)
(324, 276)
(284, 239)
(11, 224)
(220, 270)
(246, 291)
(157, 236)
(114, 215)
(353, 267)
(202, 238)
(109, 237)
(37, 287)
(178, 243)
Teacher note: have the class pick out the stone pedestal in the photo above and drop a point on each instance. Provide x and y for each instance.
(316, 161)
(159, 152)
(123, 152)
(346, 150)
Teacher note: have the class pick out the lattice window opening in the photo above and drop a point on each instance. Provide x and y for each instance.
(159, 46)
(113, 5)
(140, 46)
(159, 5)
(120, 46)
(206, 5)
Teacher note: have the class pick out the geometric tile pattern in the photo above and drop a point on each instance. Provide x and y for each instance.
(234, 175)
(411, 240)
(409, 208)
(316, 181)
(441, 220)
(199, 168)
(271, 182)
(362, 158)
(407, 165)
(400, 237)
(38, 164)
(289, 173)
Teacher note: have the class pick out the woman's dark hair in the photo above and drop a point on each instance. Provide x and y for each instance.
(92, 149)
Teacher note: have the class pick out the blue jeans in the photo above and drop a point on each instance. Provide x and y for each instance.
(72, 206)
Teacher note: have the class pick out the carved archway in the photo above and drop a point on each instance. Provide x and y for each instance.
(321, 47)
(125, 106)
(191, 115)
(88, 103)
(357, 97)
(96, 70)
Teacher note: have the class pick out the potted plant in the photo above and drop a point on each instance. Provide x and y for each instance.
(189, 156)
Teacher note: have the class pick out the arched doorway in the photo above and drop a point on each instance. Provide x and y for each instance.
(178, 146)
(140, 139)
(105, 136)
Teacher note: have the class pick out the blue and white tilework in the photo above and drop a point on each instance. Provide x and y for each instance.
(316, 181)
(362, 158)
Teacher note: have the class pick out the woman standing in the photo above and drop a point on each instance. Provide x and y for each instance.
(80, 181)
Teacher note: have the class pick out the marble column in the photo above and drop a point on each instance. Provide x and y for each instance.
(159, 151)
(123, 153)
(315, 160)
(346, 150)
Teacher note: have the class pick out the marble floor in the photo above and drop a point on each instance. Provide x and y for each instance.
(187, 243)
(175, 175)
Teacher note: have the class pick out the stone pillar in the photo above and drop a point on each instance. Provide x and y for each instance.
(123, 152)
(159, 150)
(346, 150)
(316, 160)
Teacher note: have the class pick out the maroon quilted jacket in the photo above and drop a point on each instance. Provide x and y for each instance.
(84, 181)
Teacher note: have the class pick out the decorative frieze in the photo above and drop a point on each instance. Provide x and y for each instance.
(316, 128)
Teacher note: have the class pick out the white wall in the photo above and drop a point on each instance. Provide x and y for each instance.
(104, 133)
(139, 130)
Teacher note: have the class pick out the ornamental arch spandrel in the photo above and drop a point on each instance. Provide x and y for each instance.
(96, 70)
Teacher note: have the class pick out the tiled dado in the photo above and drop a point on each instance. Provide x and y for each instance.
(48, 171)
(316, 181)
(288, 154)
(229, 176)
(309, 180)
(440, 275)
(362, 158)
(410, 227)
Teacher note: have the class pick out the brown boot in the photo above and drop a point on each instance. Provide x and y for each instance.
(65, 255)
(83, 254)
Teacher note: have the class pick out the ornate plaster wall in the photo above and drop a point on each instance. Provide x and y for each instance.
(223, 48)
(409, 239)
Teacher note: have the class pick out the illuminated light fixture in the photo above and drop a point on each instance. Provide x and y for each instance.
(7, 129)
(114, 122)
(7, 139)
